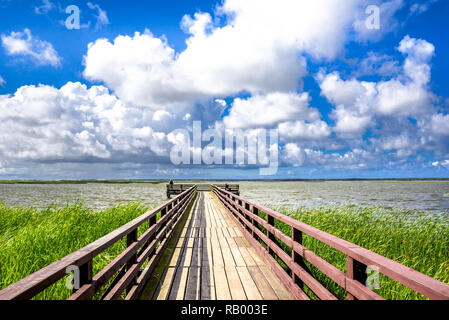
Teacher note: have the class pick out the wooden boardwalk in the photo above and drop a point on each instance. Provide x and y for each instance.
(208, 258)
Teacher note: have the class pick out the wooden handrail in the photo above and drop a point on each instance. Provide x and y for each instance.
(358, 258)
(130, 278)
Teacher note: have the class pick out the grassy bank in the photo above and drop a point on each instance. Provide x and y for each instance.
(31, 239)
(419, 241)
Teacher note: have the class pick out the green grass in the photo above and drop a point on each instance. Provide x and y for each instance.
(417, 240)
(32, 238)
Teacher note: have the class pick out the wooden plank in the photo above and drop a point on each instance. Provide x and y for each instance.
(221, 218)
(218, 222)
(206, 257)
(193, 232)
(190, 242)
(181, 242)
(235, 285)
(248, 284)
(259, 261)
(232, 243)
(164, 288)
(176, 257)
(232, 232)
(225, 222)
(193, 284)
(196, 256)
(184, 230)
(221, 284)
(242, 242)
(238, 258)
(227, 256)
(187, 257)
(238, 232)
(207, 283)
(275, 283)
(217, 256)
(249, 261)
(222, 239)
(214, 241)
(264, 287)
(177, 291)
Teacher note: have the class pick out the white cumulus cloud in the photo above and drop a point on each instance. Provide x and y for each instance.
(358, 103)
(258, 50)
(25, 45)
(74, 124)
(269, 110)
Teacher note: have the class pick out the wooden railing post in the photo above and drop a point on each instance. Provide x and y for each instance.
(130, 239)
(270, 221)
(238, 210)
(357, 271)
(255, 223)
(152, 222)
(163, 213)
(85, 274)
(247, 207)
(297, 237)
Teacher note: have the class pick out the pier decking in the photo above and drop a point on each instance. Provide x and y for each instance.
(212, 260)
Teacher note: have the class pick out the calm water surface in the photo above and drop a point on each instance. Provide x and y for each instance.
(426, 196)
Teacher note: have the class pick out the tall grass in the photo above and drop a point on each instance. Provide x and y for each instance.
(416, 240)
(32, 238)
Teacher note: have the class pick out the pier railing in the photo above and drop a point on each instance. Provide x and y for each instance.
(126, 267)
(294, 273)
(177, 188)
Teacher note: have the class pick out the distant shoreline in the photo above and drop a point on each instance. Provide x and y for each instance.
(159, 181)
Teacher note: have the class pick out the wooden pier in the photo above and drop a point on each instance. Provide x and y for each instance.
(212, 260)
(217, 245)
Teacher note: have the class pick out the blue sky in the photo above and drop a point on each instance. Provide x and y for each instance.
(104, 101)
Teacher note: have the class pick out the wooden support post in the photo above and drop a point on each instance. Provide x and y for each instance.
(234, 201)
(151, 223)
(255, 223)
(163, 213)
(85, 274)
(297, 237)
(357, 271)
(270, 221)
(247, 207)
(241, 212)
(130, 239)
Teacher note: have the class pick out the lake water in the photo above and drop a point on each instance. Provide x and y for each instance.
(419, 195)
